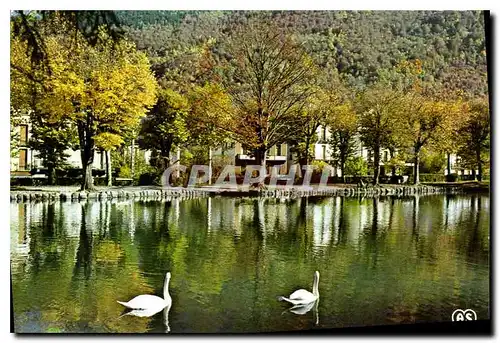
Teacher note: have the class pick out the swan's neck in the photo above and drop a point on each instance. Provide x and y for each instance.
(165, 289)
(315, 285)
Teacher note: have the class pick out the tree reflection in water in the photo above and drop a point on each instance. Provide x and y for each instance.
(400, 259)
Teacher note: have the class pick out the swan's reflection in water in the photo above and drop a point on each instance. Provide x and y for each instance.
(304, 308)
(149, 313)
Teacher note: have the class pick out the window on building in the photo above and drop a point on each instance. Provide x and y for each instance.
(23, 159)
(386, 157)
(324, 133)
(324, 152)
(278, 150)
(23, 135)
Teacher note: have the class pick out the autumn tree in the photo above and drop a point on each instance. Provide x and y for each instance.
(475, 135)
(268, 78)
(21, 89)
(213, 104)
(48, 137)
(343, 125)
(102, 89)
(377, 107)
(425, 121)
(307, 121)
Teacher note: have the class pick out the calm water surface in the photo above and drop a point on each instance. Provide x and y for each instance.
(382, 261)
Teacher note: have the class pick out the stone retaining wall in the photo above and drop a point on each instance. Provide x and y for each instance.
(158, 194)
(363, 192)
(104, 195)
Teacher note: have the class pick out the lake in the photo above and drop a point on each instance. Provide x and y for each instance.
(387, 260)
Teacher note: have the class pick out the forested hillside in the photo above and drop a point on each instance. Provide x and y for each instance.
(360, 45)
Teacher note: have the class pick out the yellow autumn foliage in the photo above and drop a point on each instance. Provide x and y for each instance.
(110, 84)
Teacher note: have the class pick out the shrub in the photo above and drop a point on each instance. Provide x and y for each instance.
(451, 177)
(319, 166)
(356, 166)
(120, 160)
(147, 179)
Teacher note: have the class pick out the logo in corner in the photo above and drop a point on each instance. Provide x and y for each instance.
(460, 315)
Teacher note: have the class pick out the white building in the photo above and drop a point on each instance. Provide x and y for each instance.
(27, 159)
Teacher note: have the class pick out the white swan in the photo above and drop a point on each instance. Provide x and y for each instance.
(301, 309)
(303, 297)
(147, 304)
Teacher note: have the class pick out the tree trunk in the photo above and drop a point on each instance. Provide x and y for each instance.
(88, 180)
(51, 174)
(132, 160)
(448, 163)
(178, 162)
(376, 163)
(479, 165)
(164, 162)
(260, 159)
(109, 175)
(260, 156)
(87, 147)
(210, 165)
(308, 142)
(393, 168)
(51, 166)
(416, 167)
(342, 167)
(87, 155)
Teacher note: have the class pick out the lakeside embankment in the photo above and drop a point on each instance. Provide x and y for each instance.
(72, 193)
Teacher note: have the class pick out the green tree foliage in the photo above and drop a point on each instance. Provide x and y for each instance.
(50, 138)
(308, 120)
(257, 78)
(450, 43)
(343, 125)
(139, 19)
(425, 121)
(50, 141)
(356, 166)
(164, 128)
(475, 136)
(101, 90)
(449, 47)
(15, 120)
(378, 123)
(433, 161)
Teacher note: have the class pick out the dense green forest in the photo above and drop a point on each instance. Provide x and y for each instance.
(360, 45)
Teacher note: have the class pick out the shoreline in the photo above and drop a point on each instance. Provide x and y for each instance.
(71, 193)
